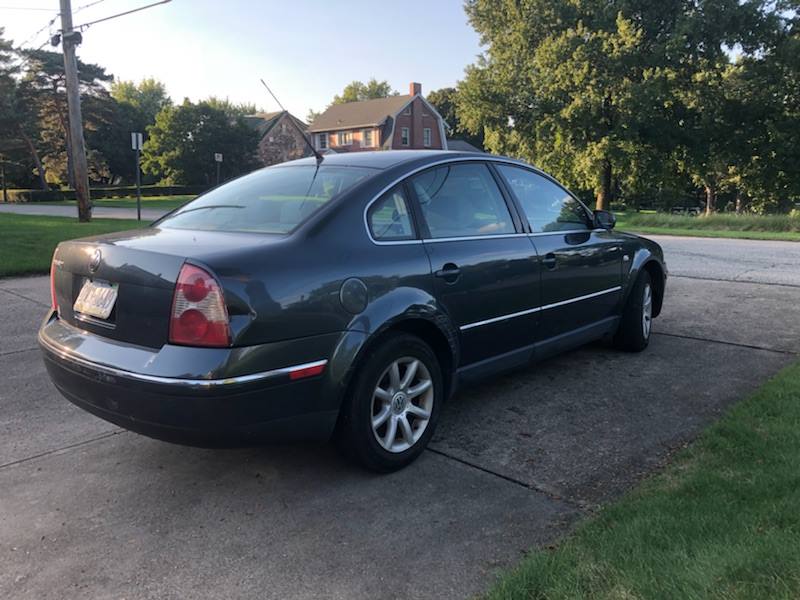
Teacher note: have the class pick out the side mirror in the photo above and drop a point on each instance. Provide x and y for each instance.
(604, 219)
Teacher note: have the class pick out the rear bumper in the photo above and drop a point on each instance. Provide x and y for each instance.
(229, 410)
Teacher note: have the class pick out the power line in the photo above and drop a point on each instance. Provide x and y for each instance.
(83, 26)
(25, 8)
(80, 8)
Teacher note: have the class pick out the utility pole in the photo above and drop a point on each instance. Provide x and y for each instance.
(5, 191)
(70, 39)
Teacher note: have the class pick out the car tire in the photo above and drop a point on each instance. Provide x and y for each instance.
(390, 413)
(635, 327)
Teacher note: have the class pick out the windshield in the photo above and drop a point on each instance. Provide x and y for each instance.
(272, 200)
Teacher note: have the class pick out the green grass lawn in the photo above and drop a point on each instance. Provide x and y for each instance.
(27, 241)
(154, 202)
(758, 227)
(721, 521)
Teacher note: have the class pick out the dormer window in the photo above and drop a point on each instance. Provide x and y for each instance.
(407, 110)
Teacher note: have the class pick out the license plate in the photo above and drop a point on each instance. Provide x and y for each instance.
(96, 299)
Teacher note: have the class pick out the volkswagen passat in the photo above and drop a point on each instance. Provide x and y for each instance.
(347, 297)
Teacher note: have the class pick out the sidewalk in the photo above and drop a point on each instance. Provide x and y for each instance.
(100, 212)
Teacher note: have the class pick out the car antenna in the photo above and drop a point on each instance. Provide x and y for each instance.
(302, 133)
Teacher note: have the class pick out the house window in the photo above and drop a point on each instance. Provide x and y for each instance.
(322, 141)
(404, 137)
(344, 138)
(407, 110)
(366, 138)
(426, 137)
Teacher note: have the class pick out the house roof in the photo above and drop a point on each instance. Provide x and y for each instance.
(461, 146)
(367, 113)
(263, 122)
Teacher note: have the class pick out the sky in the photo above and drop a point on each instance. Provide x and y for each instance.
(306, 50)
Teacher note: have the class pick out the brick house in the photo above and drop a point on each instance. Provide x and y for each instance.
(279, 140)
(393, 123)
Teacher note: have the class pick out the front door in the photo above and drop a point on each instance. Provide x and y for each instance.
(581, 267)
(486, 271)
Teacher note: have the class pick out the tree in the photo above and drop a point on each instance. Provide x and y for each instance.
(586, 90)
(445, 101)
(148, 97)
(42, 101)
(181, 144)
(356, 91)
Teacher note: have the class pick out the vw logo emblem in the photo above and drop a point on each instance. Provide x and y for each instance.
(94, 263)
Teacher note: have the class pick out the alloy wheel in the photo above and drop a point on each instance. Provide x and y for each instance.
(647, 310)
(402, 404)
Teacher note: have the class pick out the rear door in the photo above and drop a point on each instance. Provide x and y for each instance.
(486, 271)
(581, 267)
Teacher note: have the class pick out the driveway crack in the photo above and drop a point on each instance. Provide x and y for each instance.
(63, 449)
(552, 494)
(737, 344)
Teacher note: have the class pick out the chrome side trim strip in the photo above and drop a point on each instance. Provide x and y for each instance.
(474, 237)
(177, 381)
(586, 297)
(500, 318)
(539, 308)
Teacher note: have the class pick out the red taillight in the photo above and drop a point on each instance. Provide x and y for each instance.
(53, 301)
(199, 316)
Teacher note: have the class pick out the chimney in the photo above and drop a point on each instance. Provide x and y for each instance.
(415, 88)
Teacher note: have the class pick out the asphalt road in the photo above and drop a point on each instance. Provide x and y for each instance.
(90, 511)
(99, 212)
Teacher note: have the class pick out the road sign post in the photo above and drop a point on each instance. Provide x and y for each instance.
(218, 160)
(136, 144)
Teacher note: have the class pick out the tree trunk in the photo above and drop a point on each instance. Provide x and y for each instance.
(35, 156)
(711, 198)
(603, 193)
(739, 201)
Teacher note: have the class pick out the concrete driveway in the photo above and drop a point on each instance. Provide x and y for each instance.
(87, 510)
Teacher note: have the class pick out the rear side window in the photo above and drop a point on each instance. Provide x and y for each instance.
(547, 206)
(274, 200)
(462, 200)
(389, 218)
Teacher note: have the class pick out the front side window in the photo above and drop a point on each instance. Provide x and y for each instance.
(344, 138)
(366, 138)
(426, 136)
(404, 136)
(274, 200)
(389, 219)
(547, 206)
(462, 200)
(322, 141)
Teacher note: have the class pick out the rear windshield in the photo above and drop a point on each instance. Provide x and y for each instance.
(274, 200)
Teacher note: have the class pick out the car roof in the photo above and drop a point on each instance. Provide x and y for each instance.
(389, 158)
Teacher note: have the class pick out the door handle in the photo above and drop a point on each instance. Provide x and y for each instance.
(449, 272)
(549, 260)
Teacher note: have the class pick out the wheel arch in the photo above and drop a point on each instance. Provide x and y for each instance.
(438, 336)
(656, 273)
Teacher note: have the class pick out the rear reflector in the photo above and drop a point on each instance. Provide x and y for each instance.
(199, 316)
(309, 371)
(53, 301)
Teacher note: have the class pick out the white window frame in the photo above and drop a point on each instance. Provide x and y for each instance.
(427, 137)
(344, 138)
(364, 134)
(407, 110)
(322, 145)
(405, 136)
